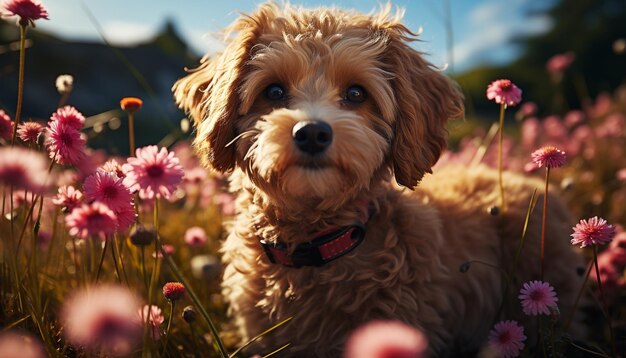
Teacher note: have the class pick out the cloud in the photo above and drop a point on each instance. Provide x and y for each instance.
(491, 26)
(127, 33)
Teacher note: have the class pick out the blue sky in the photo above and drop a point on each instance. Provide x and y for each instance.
(482, 29)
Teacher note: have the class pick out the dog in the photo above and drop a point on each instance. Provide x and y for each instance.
(314, 113)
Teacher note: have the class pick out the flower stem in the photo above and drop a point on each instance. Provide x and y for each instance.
(169, 324)
(603, 298)
(500, 140)
(131, 132)
(20, 81)
(104, 250)
(580, 293)
(543, 223)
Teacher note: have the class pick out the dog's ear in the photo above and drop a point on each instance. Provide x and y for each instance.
(208, 94)
(425, 100)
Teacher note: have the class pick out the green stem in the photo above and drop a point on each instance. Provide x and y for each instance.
(153, 276)
(544, 219)
(580, 293)
(131, 133)
(169, 324)
(500, 140)
(606, 306)
(20, 82)
(104, 250)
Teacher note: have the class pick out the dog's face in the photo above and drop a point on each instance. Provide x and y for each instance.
(317, 103)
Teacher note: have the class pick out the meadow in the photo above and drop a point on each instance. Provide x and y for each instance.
(105, 255)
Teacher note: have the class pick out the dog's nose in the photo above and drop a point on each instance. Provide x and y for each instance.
(312, 136)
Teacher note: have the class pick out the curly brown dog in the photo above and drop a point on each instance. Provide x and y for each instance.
(313, 112)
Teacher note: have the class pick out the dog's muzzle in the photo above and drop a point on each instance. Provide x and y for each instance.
(312, 137)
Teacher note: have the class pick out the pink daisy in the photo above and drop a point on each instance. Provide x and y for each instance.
(506, 339)
(65, 143)
(112, 166)
(154, 172)
(102, 319)
(29, 131)
(537, 297)
(125, 217)
(20, 345)
(68, 198)
(6, 126)
(386, 339)
(107, 188)
(504, 92)
(559, 63)
(594, 231)
(70, 116)
(196, 236)
(23, 169)
(95, 219)
(549, 157)
(27, 10)
(152, 316)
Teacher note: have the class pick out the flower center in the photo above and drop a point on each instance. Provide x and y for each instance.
(505, 337)
(505, 84)
(109, 192)
(155, 171)
(536, 295)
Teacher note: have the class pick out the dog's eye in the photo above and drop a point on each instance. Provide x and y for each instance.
(275, 92)
(355, 94)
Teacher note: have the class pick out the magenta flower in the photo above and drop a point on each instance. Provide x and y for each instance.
(107, 188)
(173, 291)
(68, 198)
(504, 92)
(23, 169)
(65, 143)
(196, 236)
(507, 338)
(126, 217)
(385, 339)
(537, 297)
(27, 10)
(70, 116)
(29, 131)
(6, 126)
(167, 248)
(557, 64)
(549, 157)
(102, 319)
(152, 316)
(594, 231)
(95, 219)
(154, 172)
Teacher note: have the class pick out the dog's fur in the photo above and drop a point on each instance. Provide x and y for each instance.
(407, 268)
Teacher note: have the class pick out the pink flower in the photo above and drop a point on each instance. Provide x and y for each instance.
(27, 10)
(107, 188)
(20, 345)
(23, 169)
(29, 131)
(6, 126)
(95, 219)
(507, 338)
(65, 143)
(68, 198)
(504, 92)
(386, 339)
(102, 319)
(152, 316)
(153, 173)
(574, 118)
(528, 109)
(196, 236)
(70, 116)
(594, 231)
(559, 63)
(173, 291)
(621, 174)
(167, 248)
(125, 217)
(549, 157)
(537, 297)
(112, 166)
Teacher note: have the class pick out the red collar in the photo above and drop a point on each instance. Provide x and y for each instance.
(325, 246)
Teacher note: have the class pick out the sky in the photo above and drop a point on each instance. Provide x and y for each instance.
(482, 29)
